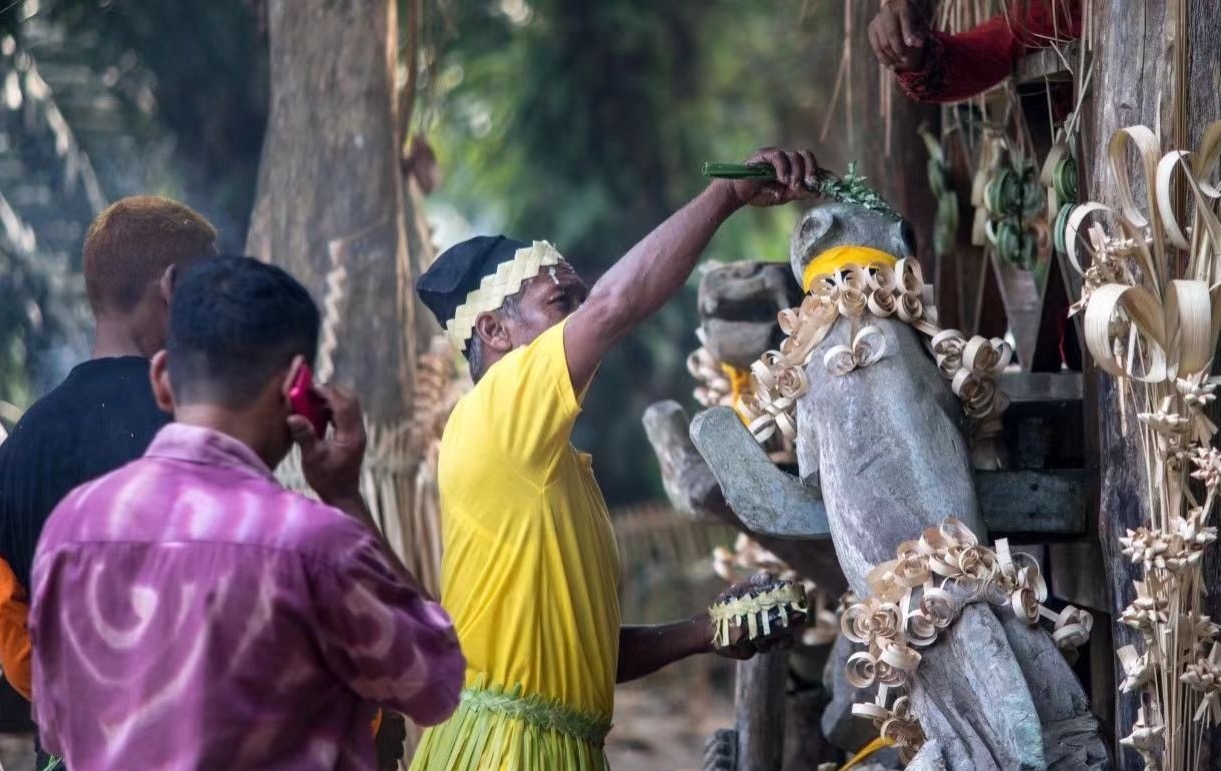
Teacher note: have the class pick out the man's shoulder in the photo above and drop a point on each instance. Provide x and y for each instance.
(112, 484)
(470, 440)
(184, 502)
(469, 420)
(29, 429)
(277, 518)
(323, 526)
(55, 425)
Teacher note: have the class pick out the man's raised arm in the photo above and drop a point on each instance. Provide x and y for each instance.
(656, 268)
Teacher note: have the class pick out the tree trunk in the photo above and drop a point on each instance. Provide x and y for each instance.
(334, 209)
(330, 193)
(1134, 83)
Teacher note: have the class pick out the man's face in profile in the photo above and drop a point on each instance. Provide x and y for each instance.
(546, 300)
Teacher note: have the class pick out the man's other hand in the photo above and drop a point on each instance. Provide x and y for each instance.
(796, 176)
(332, 465)
(898, 33)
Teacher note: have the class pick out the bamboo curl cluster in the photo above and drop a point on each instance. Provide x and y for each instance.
(779, 380)
(1151, 300)
(718, 384)
(918, 595)
(713, 385)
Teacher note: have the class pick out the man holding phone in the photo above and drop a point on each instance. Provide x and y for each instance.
(188, 612)
(530, 563)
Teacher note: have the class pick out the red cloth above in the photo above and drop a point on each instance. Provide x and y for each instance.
(957, 67)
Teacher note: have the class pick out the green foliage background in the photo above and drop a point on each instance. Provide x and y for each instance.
(583, 123)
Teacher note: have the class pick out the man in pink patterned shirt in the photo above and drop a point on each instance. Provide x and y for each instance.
(188, 612)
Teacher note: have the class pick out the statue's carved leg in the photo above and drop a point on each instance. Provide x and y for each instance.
(970, 695)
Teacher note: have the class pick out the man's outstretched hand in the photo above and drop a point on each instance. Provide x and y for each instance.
(796, 176)
(898, 33)
(332, 464)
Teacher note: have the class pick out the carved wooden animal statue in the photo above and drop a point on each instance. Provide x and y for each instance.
(882, 456)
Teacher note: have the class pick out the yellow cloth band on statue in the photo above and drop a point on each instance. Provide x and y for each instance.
(836, 258)
(739, 386)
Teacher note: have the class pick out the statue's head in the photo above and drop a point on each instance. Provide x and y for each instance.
(738, 304)
(847, 224)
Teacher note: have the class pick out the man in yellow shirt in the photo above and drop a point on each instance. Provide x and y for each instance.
(530, 565)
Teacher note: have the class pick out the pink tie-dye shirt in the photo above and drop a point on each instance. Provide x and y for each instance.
(190, 613)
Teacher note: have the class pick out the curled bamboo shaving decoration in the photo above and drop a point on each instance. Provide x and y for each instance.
(918, 595)
(723, 385)
(778, 378)
(1151, 319)
(868, 346)
(713, 387)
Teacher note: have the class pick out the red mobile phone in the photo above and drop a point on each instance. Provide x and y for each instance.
(306, 402)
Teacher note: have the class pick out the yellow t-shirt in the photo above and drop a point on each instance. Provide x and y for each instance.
(529, 567)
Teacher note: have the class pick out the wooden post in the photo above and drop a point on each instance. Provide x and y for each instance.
(1135, 83)
(331, 195)
(759, 705)
(805, 747)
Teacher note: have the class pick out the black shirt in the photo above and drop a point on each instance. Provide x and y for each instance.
(100, 418)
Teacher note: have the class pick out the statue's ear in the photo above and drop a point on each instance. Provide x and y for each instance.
(817, 225)
(904, 237)
(815, 234)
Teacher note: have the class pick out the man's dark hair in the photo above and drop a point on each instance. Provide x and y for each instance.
(234, 323)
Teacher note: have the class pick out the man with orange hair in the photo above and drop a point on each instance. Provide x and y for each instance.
(103, 415)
